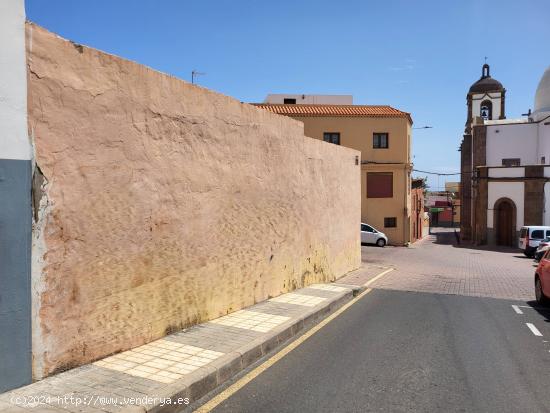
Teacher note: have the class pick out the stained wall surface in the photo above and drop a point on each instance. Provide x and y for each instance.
(162, 204)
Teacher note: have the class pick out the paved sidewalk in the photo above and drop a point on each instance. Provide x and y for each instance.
(167, 374)
(437, 265)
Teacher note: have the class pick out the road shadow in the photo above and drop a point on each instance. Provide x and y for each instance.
(544, 311)
(450, 236)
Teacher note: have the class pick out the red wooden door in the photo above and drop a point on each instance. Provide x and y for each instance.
(504, 224)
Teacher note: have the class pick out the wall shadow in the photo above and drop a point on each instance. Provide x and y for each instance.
(451, 236)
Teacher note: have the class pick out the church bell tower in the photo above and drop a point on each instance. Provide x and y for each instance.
(485, 99)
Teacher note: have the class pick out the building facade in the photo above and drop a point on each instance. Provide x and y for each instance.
(453, 189)
(383, 135)
(505, 165)
(417, 209)
(440, 206)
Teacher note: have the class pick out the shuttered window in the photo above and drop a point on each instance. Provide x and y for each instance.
(379, 185)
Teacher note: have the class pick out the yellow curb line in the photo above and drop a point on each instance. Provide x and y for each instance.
(235, 387)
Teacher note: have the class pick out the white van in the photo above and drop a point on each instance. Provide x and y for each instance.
(530, 238)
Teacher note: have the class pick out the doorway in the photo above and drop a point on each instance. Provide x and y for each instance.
(505, 222)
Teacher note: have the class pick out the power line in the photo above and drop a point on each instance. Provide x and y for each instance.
(436, 173)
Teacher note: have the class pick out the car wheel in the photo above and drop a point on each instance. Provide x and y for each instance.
(381, 242)
(539, 294)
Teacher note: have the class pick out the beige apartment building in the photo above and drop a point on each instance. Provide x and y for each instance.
(382, 134)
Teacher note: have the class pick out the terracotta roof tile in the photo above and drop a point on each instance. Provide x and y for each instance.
(335, 110)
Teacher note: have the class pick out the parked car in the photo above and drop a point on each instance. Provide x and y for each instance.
(544, 246)
(530, 238)
(542, 280)
(370, 235)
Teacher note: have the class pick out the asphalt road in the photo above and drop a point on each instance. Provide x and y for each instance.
(398, 351)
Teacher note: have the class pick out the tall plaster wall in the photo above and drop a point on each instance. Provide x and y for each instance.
(165, 204)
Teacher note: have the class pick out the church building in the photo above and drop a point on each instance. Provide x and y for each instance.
(505, 164)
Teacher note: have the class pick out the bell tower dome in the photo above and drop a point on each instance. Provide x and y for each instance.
(542, 97)
(485, 99)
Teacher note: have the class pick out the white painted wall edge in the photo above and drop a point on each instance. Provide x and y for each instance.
(14, 140)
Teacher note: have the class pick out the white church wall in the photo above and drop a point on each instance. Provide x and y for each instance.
(511, 190)
(506, 172)
(512, 141)
(544, 142)
(546, 213)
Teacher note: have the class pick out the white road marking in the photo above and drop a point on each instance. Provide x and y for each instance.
(534, 330)
(517, 309)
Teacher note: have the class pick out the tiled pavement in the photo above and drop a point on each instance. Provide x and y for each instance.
(163, 361)
(437, 265)
(185, 364)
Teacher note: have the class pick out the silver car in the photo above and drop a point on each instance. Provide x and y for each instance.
(370, 235)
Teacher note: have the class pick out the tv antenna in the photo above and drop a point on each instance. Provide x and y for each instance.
(194, 74)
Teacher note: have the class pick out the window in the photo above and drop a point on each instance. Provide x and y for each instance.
(543, 160)
(379, 185)
(289, 101)
(523, 233)
(486, 110)
(380, 140)
(332, 137)
(511, 162)
(537, 234)
(366, 228)
(390, 222)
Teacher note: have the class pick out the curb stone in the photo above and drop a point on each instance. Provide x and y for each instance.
(204, 380)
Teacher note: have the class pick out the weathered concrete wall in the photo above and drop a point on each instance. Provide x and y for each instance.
(164, 204)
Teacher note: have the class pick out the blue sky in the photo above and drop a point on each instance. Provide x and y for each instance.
(418, 56)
